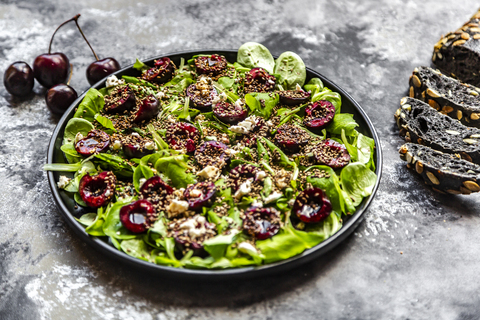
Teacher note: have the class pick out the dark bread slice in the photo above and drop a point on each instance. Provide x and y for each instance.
(444, 172)
(458, 53)
(422, 124)
(446, 95)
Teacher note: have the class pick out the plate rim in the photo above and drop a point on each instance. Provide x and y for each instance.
(216, 274)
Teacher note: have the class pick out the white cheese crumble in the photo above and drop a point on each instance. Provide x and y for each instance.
(219, 98)
(239, 103)
(257, 204)
(244, 189)
(113, 81)
(191, 226)
(209, 172)
(245, 126)
(271, 81)
(200, 117)
(117, 144)
(231, 152)
(150, 145)
(179, 193)
(107, 193)
(260, 175)
(63, 182)
(298, 88)
(142, 181)
(247, 248)
(195, 193)
(176, 207)
(274, 196)
(135, 134)
(78, 137)
(291, 202)
(159, 95)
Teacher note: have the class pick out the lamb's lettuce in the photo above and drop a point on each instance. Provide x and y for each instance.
(291, 70)
(91, 104)
(253, 55)
(261, 104)
(358, 181)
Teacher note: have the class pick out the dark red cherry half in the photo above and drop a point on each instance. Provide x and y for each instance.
(318, 115)
(261, 223)
(312, 205)
(211, 153)
(229, 113)
(331, 153)
(291, 138)
(185, 242)
(213, 64)
(293, 97)
(200, 195)
(120, 99)
(59, 97)
(96, 141)
(182, 135)
(98, 70)
(155, 188)
(136, 217)
(135, 150)
(18, 79)
(161, 72)
(242, 172)
(201, 99)
(259, 80)
(51, 69)
(148, 108)
(96, 191)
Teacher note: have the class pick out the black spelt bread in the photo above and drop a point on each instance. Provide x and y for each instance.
(458, 53)
(444, 172)
(446, 95)
(422, 124)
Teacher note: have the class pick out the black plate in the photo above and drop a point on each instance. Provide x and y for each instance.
(66, 203)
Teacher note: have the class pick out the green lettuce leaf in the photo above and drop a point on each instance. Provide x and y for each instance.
(358, 181)
(91, 105)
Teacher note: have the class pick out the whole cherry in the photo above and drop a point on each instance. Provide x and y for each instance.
(18, 79)
(52, 68)
(99, 69)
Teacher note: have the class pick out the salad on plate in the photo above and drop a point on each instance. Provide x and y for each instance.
(211, 164)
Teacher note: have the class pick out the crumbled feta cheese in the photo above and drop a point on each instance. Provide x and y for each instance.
(159, 95)
(274, 196)
(219, 98)
(107, 193)
(247, 248)
(150, 145)
(179, 193)
(260, 175)
(269, 123)
(298, 88)
(171, 119)
(225, 138)
(239, 103)
(135, 134)
(231, 152)
(63, 182)
(113, 81)
(78, 137)
(200, 117)
(176, 207)
(210, 138)
(291, 202)
(117, 144)
(257, 204)
(195, 193)
(193, 230)
(245, 126)
(209, 172)
(244, 189)
(142, 181)
(282, 179)
(271, 81)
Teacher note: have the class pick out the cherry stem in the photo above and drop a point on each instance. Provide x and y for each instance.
(51, 40)
(80, 29)
(70, 76)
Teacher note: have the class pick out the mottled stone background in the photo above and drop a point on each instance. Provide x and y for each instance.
(416, 255)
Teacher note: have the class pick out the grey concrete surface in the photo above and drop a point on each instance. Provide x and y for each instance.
(415, 256)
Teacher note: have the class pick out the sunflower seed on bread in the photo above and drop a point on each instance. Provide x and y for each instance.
(419, 123)
(444, 172)
(447, 95)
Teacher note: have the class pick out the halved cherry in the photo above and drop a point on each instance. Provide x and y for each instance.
(293, 97)
(213, 64)
(318, 115)
(155, 189)
(259, 80)
(120, 99)
(190, 233)
(312, 205)
(211, 153)
(148, 108)
(96, 191)
(96, 141)
(182, 135)
(161, 73)
(136, 150)
(242, 172)
(200, 195)
(138, 216)
(331, 153)
(201, 98)
(229, 113)
(261, 223)
(291, 138)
